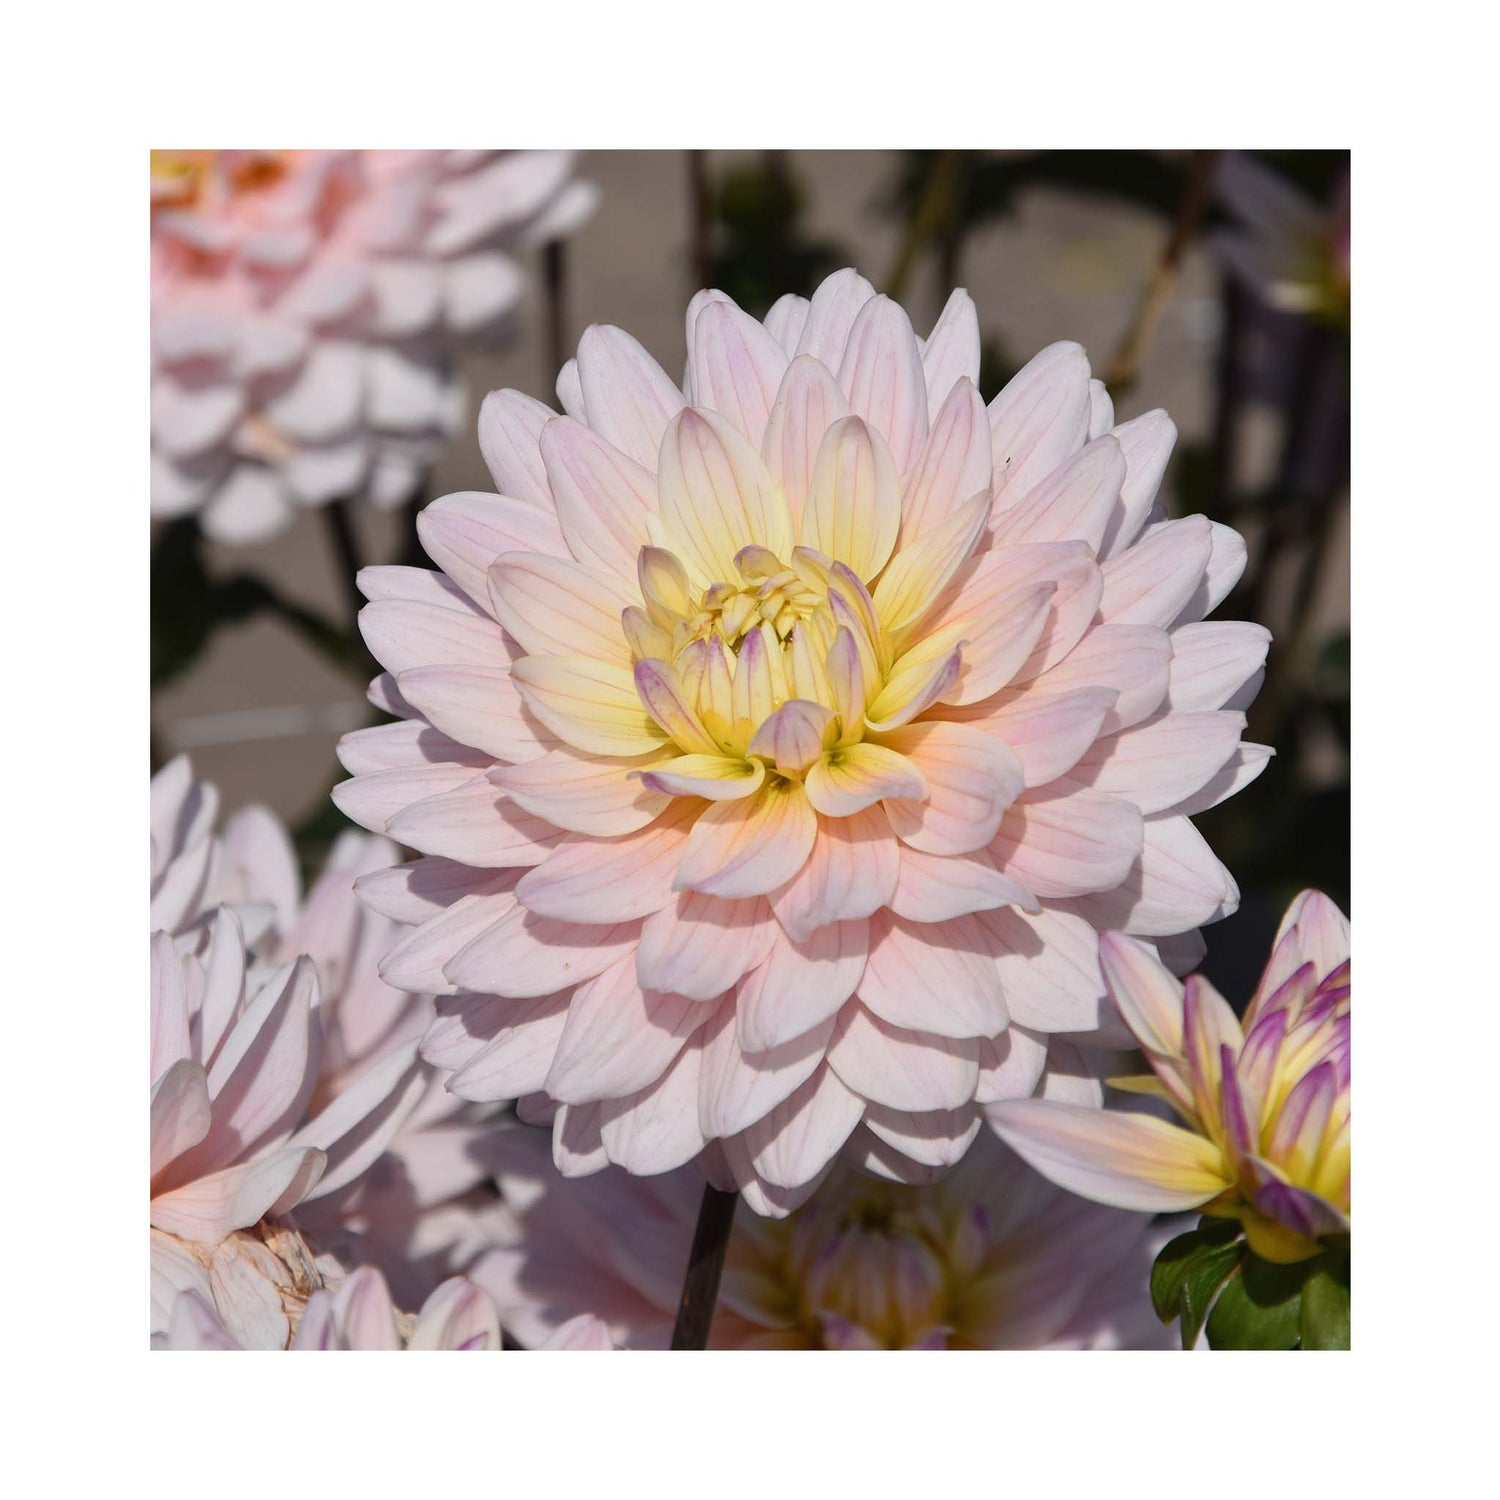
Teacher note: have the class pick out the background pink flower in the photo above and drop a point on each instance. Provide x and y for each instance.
(305, 310)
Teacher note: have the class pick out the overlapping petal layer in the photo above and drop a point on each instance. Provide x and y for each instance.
(782, 744)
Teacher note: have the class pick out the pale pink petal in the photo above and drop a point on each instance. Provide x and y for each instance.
(510, 426)
(619, 1038)
(1073, 503)
(954, 464)
(1147, 442)
(403, 634)
(936, 1138)
(1041, 418)
(1226, 563)
(208, 1208)
(933, 887)
(169, 1006)
(1128, 1161)
(1148, 997)
(1216, 664)
(477, 824)
(657, 1129)
(517, 1058)
(926, 563)
(734, 367)
(1152, 582)
(179, 1111)
(1068, 844)
(416, 962)
(373, 800)
(857, 777)
(853, 508)
(591, 705)
(1010, 1065)
(585, 793)
(701, 945)
(851, 873)
(1048, 963)
(972, 778)
(1132, 659)
(831, 314)
(800, 985)
(1049, 731)
(590, 879)
(1162, 761)
(577, 1148)
(464, 533)
(933, 978)
(477, 706)
(881, 374)
(750, 847)
(556, 607)
(412, 893)
(899, 1067)
(1176, 883)
(395, 747)
(457, 1316)
(786, 320)
(524, 955)
(716, 497)
(951, 353)
(604, 499)
(798, 1138)
(807, 405)
(630, 399)
(737, 1086)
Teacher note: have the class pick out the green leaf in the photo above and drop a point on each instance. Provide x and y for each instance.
(1190, 1270)
(1261, 1308)
(1325, 1306)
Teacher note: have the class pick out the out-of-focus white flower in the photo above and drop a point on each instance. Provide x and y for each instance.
(1291, 252)
(990, 1257)
(286, 1077)
(306, 307)
(359, 1314)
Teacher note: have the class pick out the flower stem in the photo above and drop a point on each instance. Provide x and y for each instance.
(341, 533)
(700, 1287)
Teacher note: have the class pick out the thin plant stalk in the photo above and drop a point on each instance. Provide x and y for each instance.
(700, 1287)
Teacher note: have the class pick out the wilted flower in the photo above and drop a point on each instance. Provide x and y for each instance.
(990, 1257)
(1292, 253)
(305, 308)
(779, 750)
(1265, 1102)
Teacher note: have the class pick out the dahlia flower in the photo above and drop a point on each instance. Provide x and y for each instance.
(329, 1109)
(989, 1257)
(305, 310)
(233, 1069)
(1291, 252)
(778, 749)
(1264, 1101)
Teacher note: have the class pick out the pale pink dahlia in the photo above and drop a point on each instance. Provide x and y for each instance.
(305, 310)
(779, 750)
(284, 1076)
(990, 1257)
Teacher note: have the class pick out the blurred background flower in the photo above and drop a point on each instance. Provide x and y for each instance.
(991, 1257)
(306, 311)
(285, 1076)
